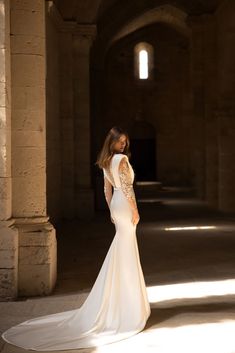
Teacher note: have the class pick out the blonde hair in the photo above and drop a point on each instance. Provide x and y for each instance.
(107, 150)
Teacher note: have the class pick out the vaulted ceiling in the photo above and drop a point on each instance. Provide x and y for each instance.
(102, 11)
(116, 18)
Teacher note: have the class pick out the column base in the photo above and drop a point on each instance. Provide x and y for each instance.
(8, 260)
(37, 256)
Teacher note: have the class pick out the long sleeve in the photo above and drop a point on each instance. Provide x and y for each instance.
(126, 183)
(107, 190)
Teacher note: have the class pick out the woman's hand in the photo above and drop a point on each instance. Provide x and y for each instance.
(135, 217)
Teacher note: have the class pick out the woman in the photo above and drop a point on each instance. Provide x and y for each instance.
(117, 306)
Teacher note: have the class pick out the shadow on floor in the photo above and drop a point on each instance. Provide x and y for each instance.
(170, 249)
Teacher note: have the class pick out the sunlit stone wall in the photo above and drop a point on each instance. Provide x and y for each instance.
(8, 233)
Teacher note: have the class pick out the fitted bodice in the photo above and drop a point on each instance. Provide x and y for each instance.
(112, 173)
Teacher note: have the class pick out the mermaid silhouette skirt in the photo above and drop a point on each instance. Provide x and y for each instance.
(116, 307)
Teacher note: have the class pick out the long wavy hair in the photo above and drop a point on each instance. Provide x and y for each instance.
(107, 151)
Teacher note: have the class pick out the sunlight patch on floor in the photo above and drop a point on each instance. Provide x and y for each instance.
(180, 291)
(200, 338)
(189, 228)
(185, 331)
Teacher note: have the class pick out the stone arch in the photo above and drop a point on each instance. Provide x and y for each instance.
(167, 14)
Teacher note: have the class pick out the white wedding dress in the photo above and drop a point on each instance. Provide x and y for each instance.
(117, 306)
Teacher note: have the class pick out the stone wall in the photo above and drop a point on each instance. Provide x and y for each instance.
(213, 83)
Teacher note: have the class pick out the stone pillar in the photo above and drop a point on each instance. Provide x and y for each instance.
(212, 161)
(8, 233)
(66, 106)
(226, 104)
(67, 122)
(210, 65)
(198, 122)
(37, 240)
(84, 198)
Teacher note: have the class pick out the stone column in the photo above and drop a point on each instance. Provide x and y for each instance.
(37, 241)
(212, 161)
(84, 198)
(198, 121)
(226, 104)
(8, 233)
(67, 122)
(66, 106)
(210, 65)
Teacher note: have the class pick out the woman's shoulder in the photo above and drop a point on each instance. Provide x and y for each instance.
(119, 156)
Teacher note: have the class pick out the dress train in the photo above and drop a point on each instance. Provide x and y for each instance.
(117, 306)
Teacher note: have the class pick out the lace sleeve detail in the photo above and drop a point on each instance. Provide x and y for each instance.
(126, 182)
(107, 190)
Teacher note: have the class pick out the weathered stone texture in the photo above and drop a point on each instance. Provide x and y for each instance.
(37, 259)
(29, 109)
(27, 21)
(8, 280)
(8, 260)
(31, 202)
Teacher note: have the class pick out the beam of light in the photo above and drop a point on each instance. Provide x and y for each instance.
(143, 64)
(149, 200)
(189, 228)
(190, 290)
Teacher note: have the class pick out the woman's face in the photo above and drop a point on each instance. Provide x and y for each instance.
(120, 145)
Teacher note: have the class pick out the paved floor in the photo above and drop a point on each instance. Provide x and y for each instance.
(187, 256)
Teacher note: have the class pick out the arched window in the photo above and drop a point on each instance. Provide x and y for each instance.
(143, 61)
(143, 64)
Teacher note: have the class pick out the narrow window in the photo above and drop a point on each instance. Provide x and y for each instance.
(143, 64)
(143, 61)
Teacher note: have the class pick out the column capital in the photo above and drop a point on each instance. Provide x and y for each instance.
(57, 19)
(88, 31)
(83, 37)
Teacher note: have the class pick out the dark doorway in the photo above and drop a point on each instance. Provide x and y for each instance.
(143, 158)
(143, 150)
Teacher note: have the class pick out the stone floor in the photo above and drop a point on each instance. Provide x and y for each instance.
(187, 256)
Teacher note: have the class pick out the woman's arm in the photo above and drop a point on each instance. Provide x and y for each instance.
(127, 188)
